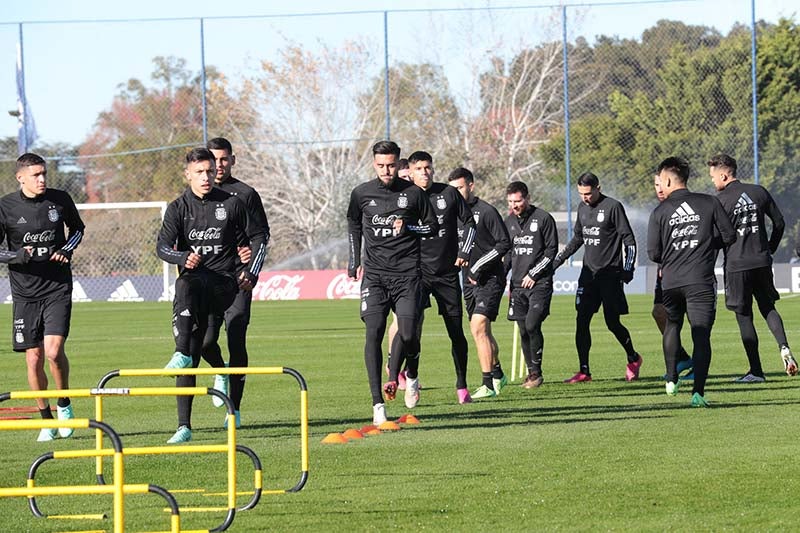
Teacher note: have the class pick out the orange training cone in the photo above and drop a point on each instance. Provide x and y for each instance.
(389, 426)
(409, 419)
(334, 438)
(353, 434)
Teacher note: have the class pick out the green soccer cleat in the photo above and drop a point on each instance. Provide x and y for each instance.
(184, 434)
(179, 361)
(238, 418)
(221, 383)
(47, 434)
(65, 413)
(672, 388)
(484, 392)
(499, 384)
(698, 401)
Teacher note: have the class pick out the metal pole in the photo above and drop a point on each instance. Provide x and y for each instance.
(566, 121)
(22, 134)
(755, 87)
(386, 70)
(203, 79)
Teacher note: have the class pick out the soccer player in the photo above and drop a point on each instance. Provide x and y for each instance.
(38, 257)
(442, 258)
(683, 236)
(484, 281)
(200, 233)
(390, 215)
(748, 262)
(534, 240)
(659, 311)
(237, 316)
(603, 229)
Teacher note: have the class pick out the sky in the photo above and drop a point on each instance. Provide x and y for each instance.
(75, 64)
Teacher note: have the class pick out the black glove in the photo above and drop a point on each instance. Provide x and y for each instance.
(626, 276)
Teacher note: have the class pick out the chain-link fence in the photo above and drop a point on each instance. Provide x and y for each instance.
(512, 93)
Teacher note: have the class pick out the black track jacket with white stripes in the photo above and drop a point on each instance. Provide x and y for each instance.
(255, 209)
(38, 225)
(373, 209)
(440, 250)
(534, 244)
(746, 205)
(603, 229)
(211, 227)
(491, 241)
(684, 234)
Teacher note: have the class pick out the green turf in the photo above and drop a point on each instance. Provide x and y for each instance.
(606, 455)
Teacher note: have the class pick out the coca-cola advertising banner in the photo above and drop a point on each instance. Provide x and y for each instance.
(306, 285)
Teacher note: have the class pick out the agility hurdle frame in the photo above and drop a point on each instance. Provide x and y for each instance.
(267, 370)
(117, 490)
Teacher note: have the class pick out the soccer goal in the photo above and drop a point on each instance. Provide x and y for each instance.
(117, 261)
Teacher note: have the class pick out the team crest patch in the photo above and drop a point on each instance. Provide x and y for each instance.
(535, 226)
(601, 216)
(441, 203)
(402, 201)
(52, 215)
(476, 216)
(220, 213)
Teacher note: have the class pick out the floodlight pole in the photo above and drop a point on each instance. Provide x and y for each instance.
(567, 165)
(203, 80)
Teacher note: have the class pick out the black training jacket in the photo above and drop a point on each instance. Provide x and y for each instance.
(439, 251)
(255, 210)
(491, 241)
(534, 244)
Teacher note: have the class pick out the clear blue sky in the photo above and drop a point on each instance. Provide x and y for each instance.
(73, 70)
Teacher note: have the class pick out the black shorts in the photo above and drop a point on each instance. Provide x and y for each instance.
(658, 293)
(239, 310)
(742, 287)
(381, 293)
(698, 302)
(205, 294)
(536, 299)
(484, 298)
(447, 291)
(33, 320)
(604, 288)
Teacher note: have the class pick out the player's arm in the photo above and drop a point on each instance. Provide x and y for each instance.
(354, 235)
(778, 223)
(168, 237)
(550, 236)
(623, 227)
(727, 233)
(258, 244)
(75, 235)
(572, 246)
(464, 215)
(654, 246)
(502, 244)
(12, 257)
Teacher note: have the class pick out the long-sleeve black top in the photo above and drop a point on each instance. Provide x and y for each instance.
(534, 239)
(491, 241)
(255, 211)
(439, 251)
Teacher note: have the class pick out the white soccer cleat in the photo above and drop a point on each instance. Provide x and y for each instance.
(411, 395)
(789, 364)
(672, 388)
(47, 434)
(378, 414)
(221, 383)
(65, 413)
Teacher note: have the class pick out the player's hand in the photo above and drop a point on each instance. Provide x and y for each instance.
(59, 257)
(357, 276)
(626, 276)
(471, 281)
(461, 262)
(246, 281)
(398, 226)
(245, 253)
(192, 261)
(528, 282)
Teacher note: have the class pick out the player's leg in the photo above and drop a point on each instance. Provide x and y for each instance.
(479, 326)
(374, 311)
(766, 296)
(185, 308)
(701, 310)
(59, 368)
(675, 307)
(237, 319)
(739, 299)
(587, 303)
(447, 291)
(614, 306)
(538, 310)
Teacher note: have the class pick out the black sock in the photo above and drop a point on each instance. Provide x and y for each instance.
(46, 413)
(487, 380)
(497, 371)
(585, 370)
(63, 402)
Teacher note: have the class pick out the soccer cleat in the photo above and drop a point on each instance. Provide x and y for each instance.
(698, 401)
(184, 434)
(580, 377)
(378, 414)
(686, 364)
(632, 369)
(179, 361)
(221, 383)
(401, 380)
(47, 434)
(65, 413)
(750, 378)
(672, 388)
(390, 390)
(534, 380)
(411, 396)
(483, 392)
(499, 384)
(789, 364)
(238, 420)
(463, 396)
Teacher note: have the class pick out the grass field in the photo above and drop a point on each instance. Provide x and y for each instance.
(606, 455)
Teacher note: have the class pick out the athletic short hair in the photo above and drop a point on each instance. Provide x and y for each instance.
(459, 173)
(418, 156)
(386, 148)
(201, 153)
(402, 164)
(587, 179)
(723, 161)
(678, 166)
(220, 143)
(517, 187)
(30, 159)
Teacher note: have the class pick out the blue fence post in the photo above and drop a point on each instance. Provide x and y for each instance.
(203, 79)
(753, 81)
(566, 122)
